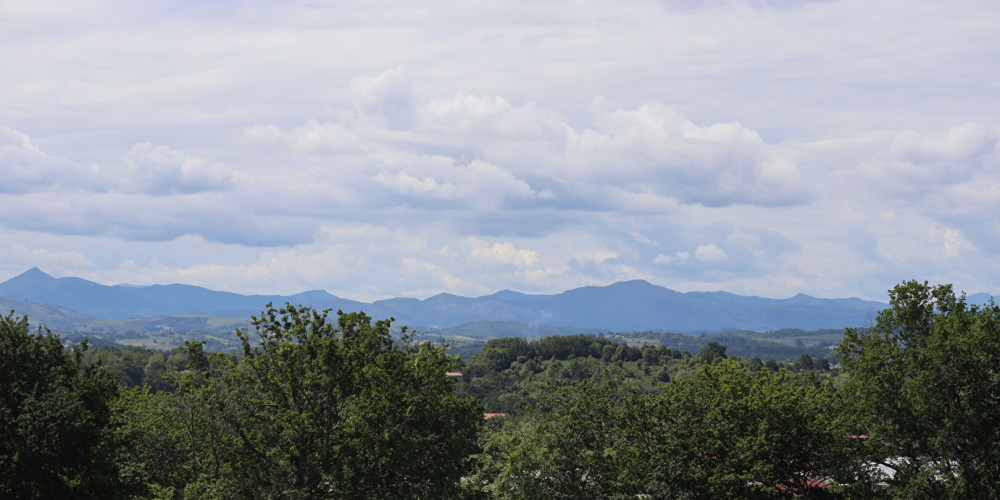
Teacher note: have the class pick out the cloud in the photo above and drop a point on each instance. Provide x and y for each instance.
(678, 257)
(312, 137)
(483, 118)
(951, 174)
(656, 147)
(439, 179)
(955, 245)
(501, 253)
(159, 170)
(388, 96)
(145, 168)
(24, 167)
(914, 162)
(17, 257)
(709, 252)
(961, 143)
(19, 161)
(153, 194)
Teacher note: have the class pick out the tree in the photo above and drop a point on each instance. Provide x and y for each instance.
(651, 354)
(712, 351)
(53, 417)
(313, 409)
(179, 443)
(725, 432)
(925, 381)
(747, 434)
(804, 363)
(562, 452)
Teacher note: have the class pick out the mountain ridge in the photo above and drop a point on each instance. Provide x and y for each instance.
(634, 305)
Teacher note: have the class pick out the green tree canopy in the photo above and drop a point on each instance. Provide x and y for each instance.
(53, 418)
(725, 432)
(313, 409)
(712, 351)
(926, 383)
(805, 362)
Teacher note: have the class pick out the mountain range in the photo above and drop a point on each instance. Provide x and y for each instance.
(624, 306)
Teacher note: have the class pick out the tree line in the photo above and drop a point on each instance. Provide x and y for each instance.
(317, 407)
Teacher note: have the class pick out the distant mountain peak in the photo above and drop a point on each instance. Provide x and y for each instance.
(443, 296)
(34, 274)
(633, 283)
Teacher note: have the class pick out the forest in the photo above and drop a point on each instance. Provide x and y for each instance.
(317, 405)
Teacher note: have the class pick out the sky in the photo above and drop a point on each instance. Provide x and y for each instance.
(395, 148)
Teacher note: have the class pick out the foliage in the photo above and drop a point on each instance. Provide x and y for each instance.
(53, 415)
(509, 373)
(311, 410)
(565, 452)
(136, 366)
(753, 433)
(779, 345)
(723, 432)
(711, 352)
(925, 380)
(805, 362)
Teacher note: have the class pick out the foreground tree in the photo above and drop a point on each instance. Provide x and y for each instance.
(314, 409)
(53, 418)
(562, 450)
(926, 383)
(754, 434)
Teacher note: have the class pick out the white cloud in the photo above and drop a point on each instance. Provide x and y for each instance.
(912, 161)
(489, 118)
(961, 143)
(25, 167)
(679, 257)
(954, 244)
(17, 257)
(159, 170)
(436, 178)
(388, 96)
(709, 252)
(312, 137)
(719, 164)
(501, 253)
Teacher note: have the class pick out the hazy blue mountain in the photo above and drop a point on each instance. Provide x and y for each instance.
(102, 301)
(53, 317)
(979, 298)
(636, 306)
(625, 306)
